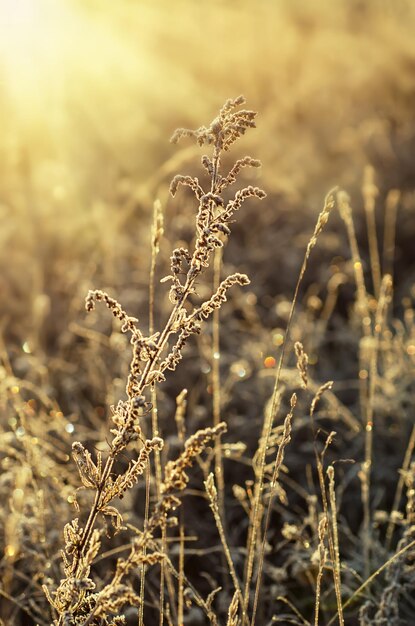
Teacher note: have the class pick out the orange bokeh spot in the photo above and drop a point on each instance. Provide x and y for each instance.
(269, 361)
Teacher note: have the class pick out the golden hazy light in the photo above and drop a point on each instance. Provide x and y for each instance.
(48, 57)
(31, 43)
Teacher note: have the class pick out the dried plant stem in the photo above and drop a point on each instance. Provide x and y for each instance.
(156, 234)
(216, 382)
(166, 569)
(336, 562)
(162, 577)
(181, 404)
(197, 597)
(179, 416)
(325, 500)
(216, 396)
(294, 610)
(399, 489)
(361, 293)
(233, 611)
(180, 595)
(362, 306)
(391, 210)
(285, 439)
(214, 505)
(323, 527)
(174, 573)
(216, 387)
(384, 295)
(143, 566)
(256, 515)
(370, 192)
(322, 554)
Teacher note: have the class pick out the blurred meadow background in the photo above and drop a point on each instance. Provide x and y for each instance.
(90, 93)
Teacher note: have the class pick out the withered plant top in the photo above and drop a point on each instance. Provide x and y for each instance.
(77, 601)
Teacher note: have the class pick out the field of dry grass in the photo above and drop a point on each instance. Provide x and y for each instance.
(233, 445)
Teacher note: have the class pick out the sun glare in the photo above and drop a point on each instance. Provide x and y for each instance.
(17, 11)
(30, 48)
(56, 52)
(24, 24)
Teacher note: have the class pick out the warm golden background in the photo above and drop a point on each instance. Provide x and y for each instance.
(90, 92)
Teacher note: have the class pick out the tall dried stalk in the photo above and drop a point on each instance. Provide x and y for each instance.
(384, 297)
(216, 387)
(335, 533)
(157, 231)
(322, 558)
(180, 593)
(181, 404)
(370, 193)
(285, 440)
(326, 500)
(362, 300)
(362, 306)
(156, 235)
(383, 289)
(391, 210)
(256, 514)
(325, 527)
(143, 565)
